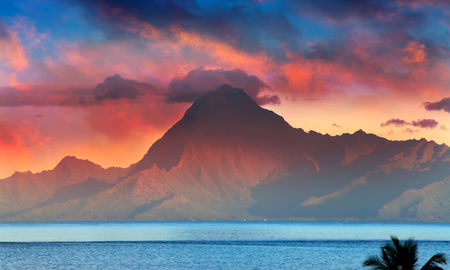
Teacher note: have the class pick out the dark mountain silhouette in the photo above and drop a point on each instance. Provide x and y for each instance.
(228, 158)
(226, 117)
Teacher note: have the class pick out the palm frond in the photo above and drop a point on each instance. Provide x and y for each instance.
(397, 255)
(408, 254)
(435, 262)
(376, 263)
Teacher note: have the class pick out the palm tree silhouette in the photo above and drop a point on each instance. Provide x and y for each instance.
(398, 256)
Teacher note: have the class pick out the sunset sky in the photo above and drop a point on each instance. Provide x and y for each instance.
(102, 80)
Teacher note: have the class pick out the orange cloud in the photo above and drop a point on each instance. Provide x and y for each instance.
(313, 78)
(143, 29)
(224, 54)
(363, 65)
(415, 52)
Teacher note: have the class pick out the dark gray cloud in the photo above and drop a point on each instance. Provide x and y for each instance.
(443, 104)
(116, 87)
(200, 81)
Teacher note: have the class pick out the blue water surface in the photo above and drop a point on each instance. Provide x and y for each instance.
(207, 245)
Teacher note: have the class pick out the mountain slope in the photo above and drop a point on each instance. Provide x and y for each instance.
(431, 203)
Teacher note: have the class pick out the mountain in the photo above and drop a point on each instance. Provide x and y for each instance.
(430, 203)
(25, 190)
(228, 158)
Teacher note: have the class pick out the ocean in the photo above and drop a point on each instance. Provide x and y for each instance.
(207, 245)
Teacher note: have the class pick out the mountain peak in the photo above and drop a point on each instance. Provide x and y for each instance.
(225, 97)
(228, 89)
(360, 132)
(67, 160)
(72, 162)
(225, 116)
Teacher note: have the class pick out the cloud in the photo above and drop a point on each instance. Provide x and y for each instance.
(443, 104)
(200, 81)
(12, 56)
(375, 62)
(394, 122)
(19, 139)
(116, 87)
(336, 125)
(425, 123)
(113, 88)
(42, 96)
(444, 128)
(366, 45)
(415, 52)
(20, 136)
(376, 12)
(421, 123)
(121, 90)
(238, 23)
(117, 108)
(417, 3)
(148, 115)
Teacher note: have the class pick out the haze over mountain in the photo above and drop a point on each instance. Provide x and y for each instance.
(229, 158)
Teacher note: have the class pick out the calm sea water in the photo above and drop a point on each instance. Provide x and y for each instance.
(207, 245)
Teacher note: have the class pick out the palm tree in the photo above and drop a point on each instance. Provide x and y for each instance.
(398, 256)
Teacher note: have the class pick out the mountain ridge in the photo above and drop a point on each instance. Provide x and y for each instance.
(228, 158)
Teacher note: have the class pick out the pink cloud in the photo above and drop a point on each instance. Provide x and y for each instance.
(12, 56)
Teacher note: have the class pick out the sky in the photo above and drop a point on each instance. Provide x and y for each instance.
(102, 80)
